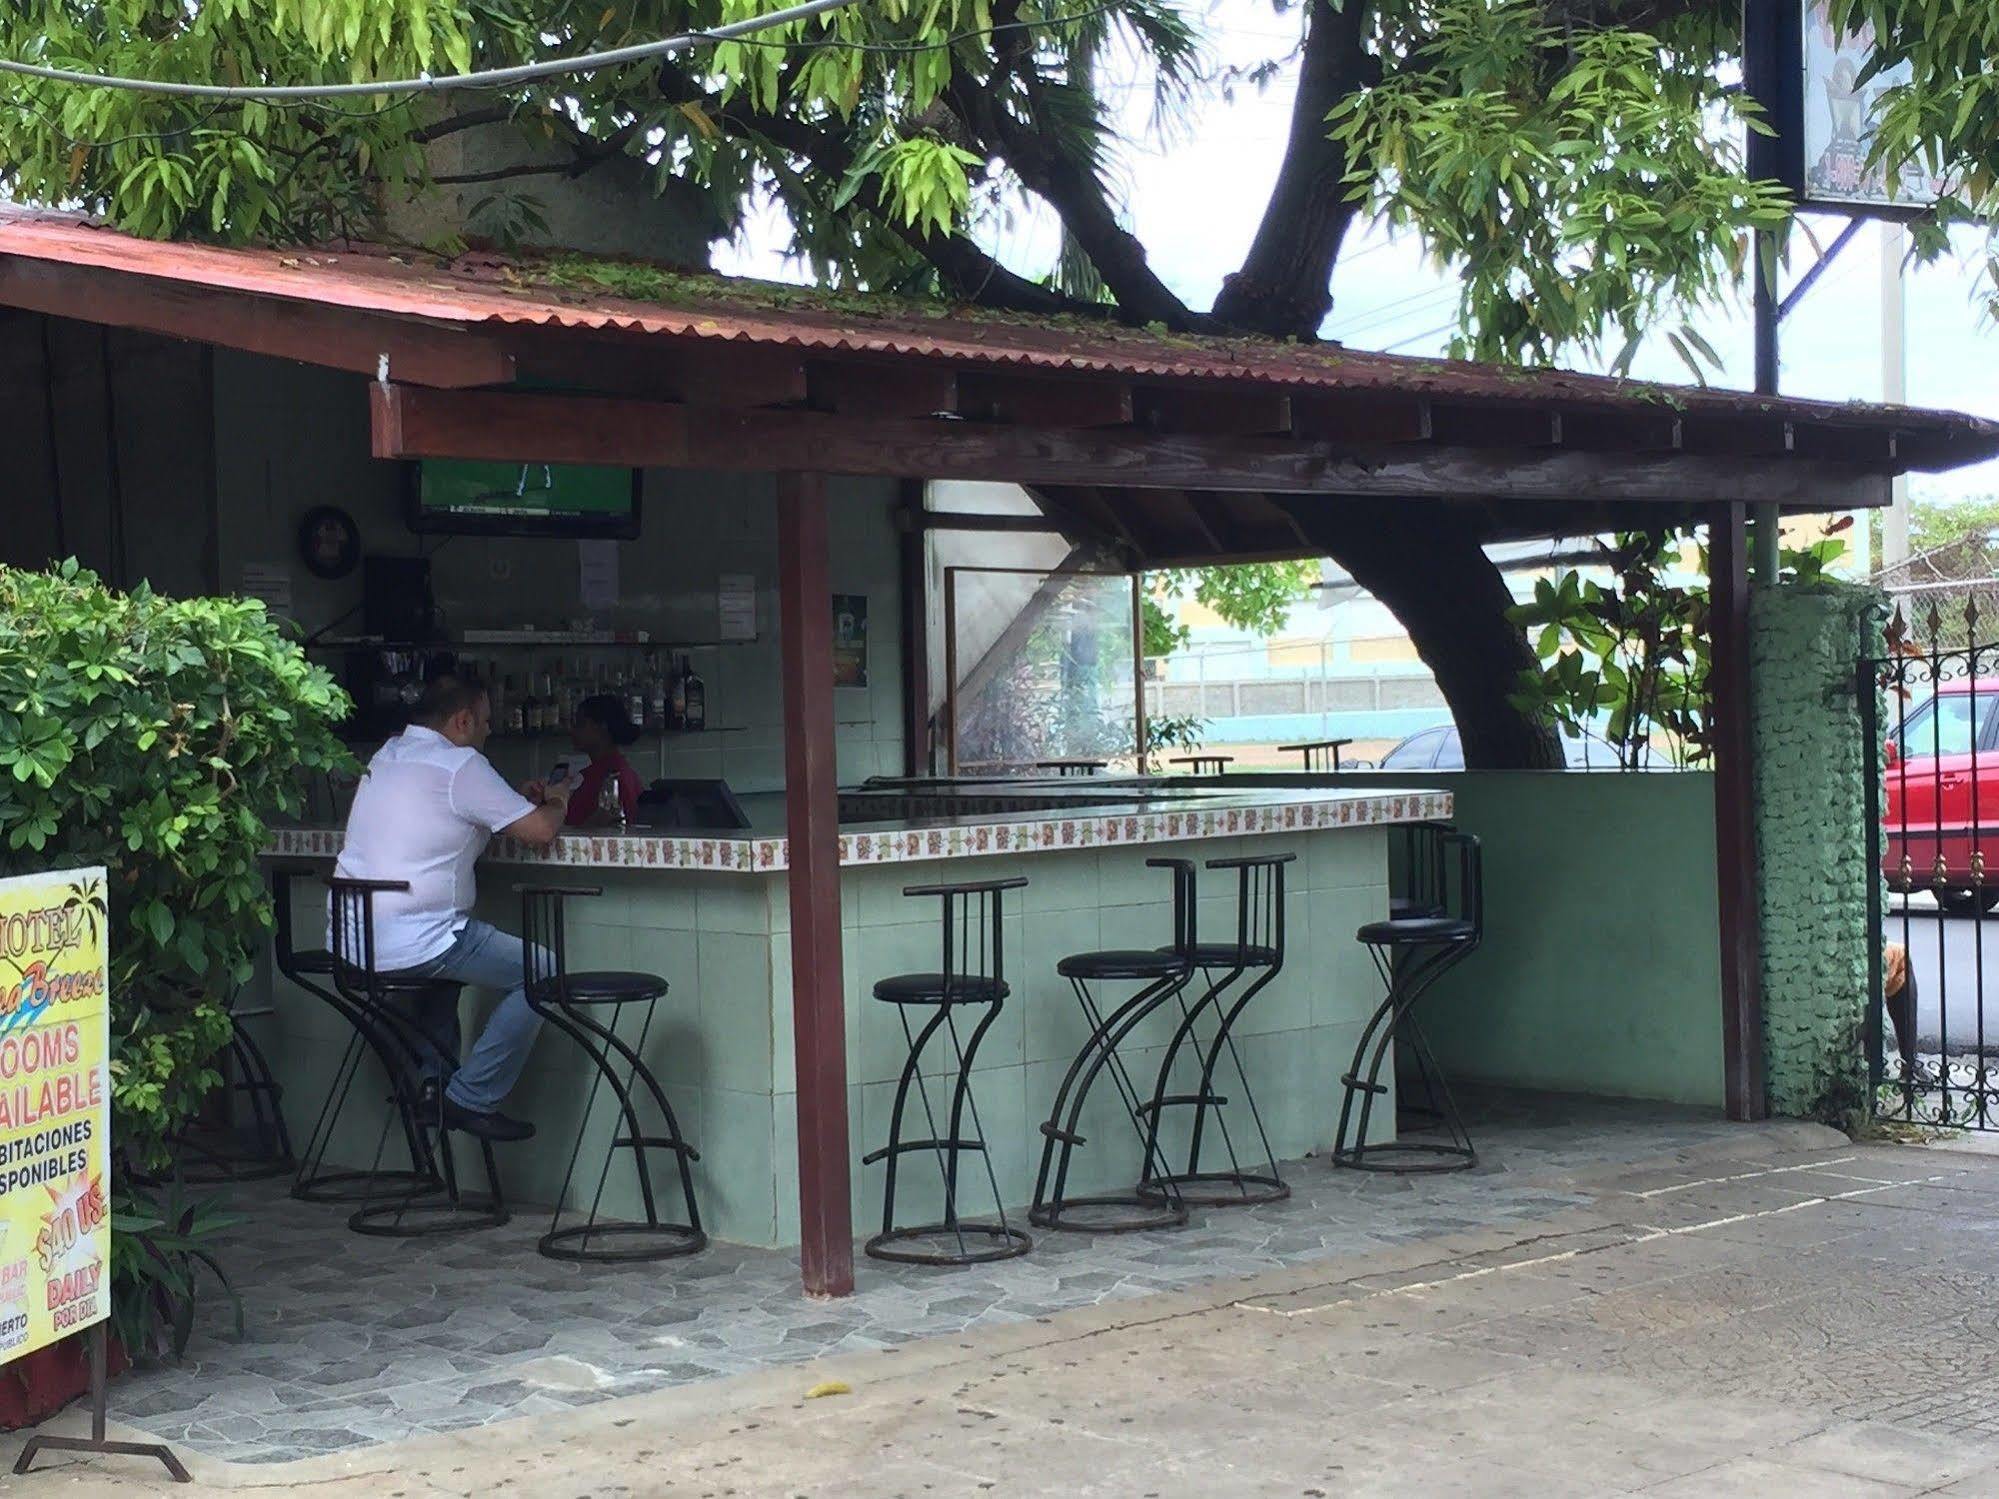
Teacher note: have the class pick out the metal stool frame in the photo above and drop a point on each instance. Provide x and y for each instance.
(973, 972)
(1203, 764)
(557, 995)
(1258, 948)
(1407, 979)
(312, 971)
(250, 1076)
(1061, 1133)
(425, 1208)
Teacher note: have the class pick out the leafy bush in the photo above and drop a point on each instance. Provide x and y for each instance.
(156, 737)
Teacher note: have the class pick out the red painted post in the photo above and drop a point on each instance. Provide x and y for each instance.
(812, 825)
(1734, 815)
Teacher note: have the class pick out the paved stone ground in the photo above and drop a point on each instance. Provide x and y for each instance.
(354, 1341)
(1769, 1310)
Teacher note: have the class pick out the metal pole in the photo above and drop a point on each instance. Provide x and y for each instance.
(1767, 379)
(812, 826)
(1734, 818)
(1894, 382)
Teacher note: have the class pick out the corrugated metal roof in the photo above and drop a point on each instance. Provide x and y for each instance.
(477, 291)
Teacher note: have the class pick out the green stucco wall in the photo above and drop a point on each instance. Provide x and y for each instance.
(1600, 971)
(1811, 835)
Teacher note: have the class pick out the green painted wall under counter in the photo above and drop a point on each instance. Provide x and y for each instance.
(721, 1042)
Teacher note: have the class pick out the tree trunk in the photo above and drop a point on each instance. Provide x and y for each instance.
(1284, 288)
(1429, 571)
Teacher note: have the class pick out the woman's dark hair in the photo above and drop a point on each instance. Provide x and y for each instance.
(609, 713)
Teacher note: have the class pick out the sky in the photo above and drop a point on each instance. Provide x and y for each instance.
(1194, 200)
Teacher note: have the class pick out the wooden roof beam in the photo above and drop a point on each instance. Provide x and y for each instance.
(1361, 416)
(1044, 401)
(1252, 412)
(881, 390)
(1498, 426)
(411, 422)
(346, 338)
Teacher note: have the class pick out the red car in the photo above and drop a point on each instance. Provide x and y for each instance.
(1941, 786)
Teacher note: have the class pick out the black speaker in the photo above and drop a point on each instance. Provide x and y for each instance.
(396, 601)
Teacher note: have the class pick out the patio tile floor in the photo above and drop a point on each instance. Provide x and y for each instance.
(353, 1341)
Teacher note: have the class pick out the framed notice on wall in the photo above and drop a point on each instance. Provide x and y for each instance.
(55, 1108)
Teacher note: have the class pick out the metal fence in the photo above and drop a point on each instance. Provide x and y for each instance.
(1930, 698)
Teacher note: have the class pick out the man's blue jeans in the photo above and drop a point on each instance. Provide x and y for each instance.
(488, 958)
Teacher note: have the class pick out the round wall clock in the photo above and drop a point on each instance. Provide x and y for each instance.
(328, 542)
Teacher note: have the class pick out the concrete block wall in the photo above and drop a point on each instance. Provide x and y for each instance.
(1812, 842)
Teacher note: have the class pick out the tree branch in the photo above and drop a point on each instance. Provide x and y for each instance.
(1069, 184)
(437, 130)
(1284, 288)
(969, 270)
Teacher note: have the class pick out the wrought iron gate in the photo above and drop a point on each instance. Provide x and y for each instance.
(1932, 698)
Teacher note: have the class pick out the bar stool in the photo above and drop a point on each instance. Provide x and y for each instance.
(1162, 973)
(973, 974)
(312, 971)
(572, 1003)
(1419, 884)
(1411, 953)
(433, 1204)
(1203, 764)
(250, 1079)
(1320, 754)
(1258, 949)
(1072, 767)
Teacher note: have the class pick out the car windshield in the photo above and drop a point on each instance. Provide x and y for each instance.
(1948, 725)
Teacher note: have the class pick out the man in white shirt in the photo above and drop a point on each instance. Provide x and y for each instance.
(423, 814)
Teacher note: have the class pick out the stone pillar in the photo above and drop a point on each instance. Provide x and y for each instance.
(1813, 843)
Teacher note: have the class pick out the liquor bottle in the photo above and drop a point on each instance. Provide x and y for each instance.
(516, 719)
(635, 700)
(676, 695)
(530, 709)
(659, 701)
(696, 693)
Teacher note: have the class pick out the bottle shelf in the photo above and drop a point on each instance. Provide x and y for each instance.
(525, 640)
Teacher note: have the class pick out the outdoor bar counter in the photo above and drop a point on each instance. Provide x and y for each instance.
(710, 914)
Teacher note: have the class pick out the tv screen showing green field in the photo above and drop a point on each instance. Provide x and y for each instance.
(526, 499)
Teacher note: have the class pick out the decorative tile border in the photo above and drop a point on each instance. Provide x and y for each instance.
(1220, 816)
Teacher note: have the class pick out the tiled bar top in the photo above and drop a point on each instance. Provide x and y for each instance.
(1204, 814)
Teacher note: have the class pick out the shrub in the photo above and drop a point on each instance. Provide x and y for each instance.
(156, 737)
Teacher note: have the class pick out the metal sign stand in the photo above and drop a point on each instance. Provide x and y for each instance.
(96, 1441)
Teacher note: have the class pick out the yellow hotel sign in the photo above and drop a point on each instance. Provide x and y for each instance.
(55, 1108)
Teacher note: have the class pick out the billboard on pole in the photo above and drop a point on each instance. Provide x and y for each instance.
(1840, 112)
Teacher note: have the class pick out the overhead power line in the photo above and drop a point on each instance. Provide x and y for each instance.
(490, 78)
(588, 62)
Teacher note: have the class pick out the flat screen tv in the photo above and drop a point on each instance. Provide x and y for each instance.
(523, 499)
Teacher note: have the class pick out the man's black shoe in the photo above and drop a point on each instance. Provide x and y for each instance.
(485, 1126)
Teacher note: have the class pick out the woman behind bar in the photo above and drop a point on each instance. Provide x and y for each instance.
(602, 727)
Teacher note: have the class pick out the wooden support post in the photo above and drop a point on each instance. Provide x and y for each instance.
(914, 546)
(812, 825)
(1736, 882)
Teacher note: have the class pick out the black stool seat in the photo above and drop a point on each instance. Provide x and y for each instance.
(1230, 954)
(605, 987)
(1123, 963)
(590, 1008)
(941, 988)
(1416, 929)
(974, 960)
(312, 960)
